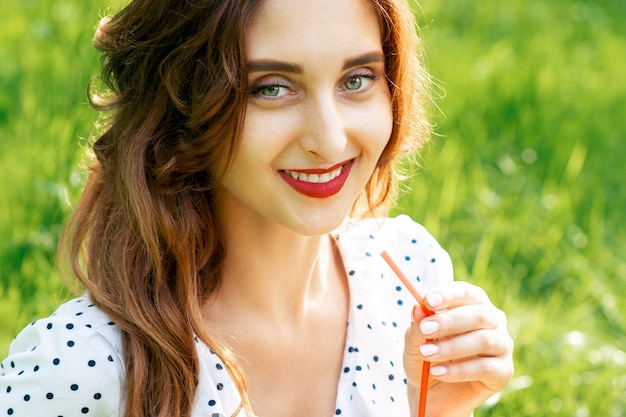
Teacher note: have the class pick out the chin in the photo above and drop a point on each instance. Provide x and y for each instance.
(318, 226)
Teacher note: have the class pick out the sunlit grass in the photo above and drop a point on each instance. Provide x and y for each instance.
(523, 182)
(524, 186)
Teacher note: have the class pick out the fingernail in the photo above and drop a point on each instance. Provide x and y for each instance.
(413, 313)
(428, 350)
(438, 370)
(434, 299)
(429, 327)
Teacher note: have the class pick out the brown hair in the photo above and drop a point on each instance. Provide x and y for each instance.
(143, 240)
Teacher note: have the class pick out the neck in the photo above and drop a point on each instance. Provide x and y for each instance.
(274, 273)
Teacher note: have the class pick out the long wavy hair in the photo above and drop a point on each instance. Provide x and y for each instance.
(143, 240)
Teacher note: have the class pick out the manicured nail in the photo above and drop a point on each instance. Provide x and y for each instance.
(428, 350)
(429, 327)
(438, 370)
(434, 299)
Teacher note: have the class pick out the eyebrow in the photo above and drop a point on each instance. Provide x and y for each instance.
(271, 65)
(369, 58)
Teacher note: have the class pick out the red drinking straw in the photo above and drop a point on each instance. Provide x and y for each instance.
(421, 410)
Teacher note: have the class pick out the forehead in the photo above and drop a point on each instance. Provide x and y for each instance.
(312, 26)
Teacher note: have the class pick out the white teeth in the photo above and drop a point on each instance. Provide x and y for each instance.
(315, 178)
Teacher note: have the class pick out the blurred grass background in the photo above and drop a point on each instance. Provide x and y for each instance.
(523, 182)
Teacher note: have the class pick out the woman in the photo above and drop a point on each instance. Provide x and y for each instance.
(229, 233)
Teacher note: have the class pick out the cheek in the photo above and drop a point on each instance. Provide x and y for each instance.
(265, 134)
(378, 126)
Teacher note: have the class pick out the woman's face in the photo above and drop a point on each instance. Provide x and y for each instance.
(318, 115)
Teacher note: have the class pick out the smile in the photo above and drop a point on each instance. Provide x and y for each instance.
(318, 183)
(315, 178)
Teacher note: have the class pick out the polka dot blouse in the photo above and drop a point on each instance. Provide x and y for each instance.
(70, 364)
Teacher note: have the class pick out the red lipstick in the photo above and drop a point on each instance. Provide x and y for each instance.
(318, 183)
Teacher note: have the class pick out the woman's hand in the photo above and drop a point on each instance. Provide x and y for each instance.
(470, 352)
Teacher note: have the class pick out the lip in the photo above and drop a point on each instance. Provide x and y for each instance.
(319, 189)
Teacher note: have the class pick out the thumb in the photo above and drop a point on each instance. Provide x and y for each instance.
(413, 339)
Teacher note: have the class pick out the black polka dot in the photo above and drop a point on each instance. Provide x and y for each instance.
(10, 411)
(375, 369)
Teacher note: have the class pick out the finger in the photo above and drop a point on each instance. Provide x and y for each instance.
(461, 320)
(492, 372)
(412, 358)
(491, 343)
(455, 294)
(413, 337)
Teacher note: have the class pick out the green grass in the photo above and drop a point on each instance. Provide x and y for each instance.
(522, 183)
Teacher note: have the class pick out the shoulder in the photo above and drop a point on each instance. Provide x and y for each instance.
(70, 363)
(407, 242)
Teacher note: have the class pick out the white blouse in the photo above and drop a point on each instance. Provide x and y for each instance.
(70, 364)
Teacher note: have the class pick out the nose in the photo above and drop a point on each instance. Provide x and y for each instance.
(325, 132)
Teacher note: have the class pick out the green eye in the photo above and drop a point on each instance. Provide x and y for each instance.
(271, 91)
(354, 83)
